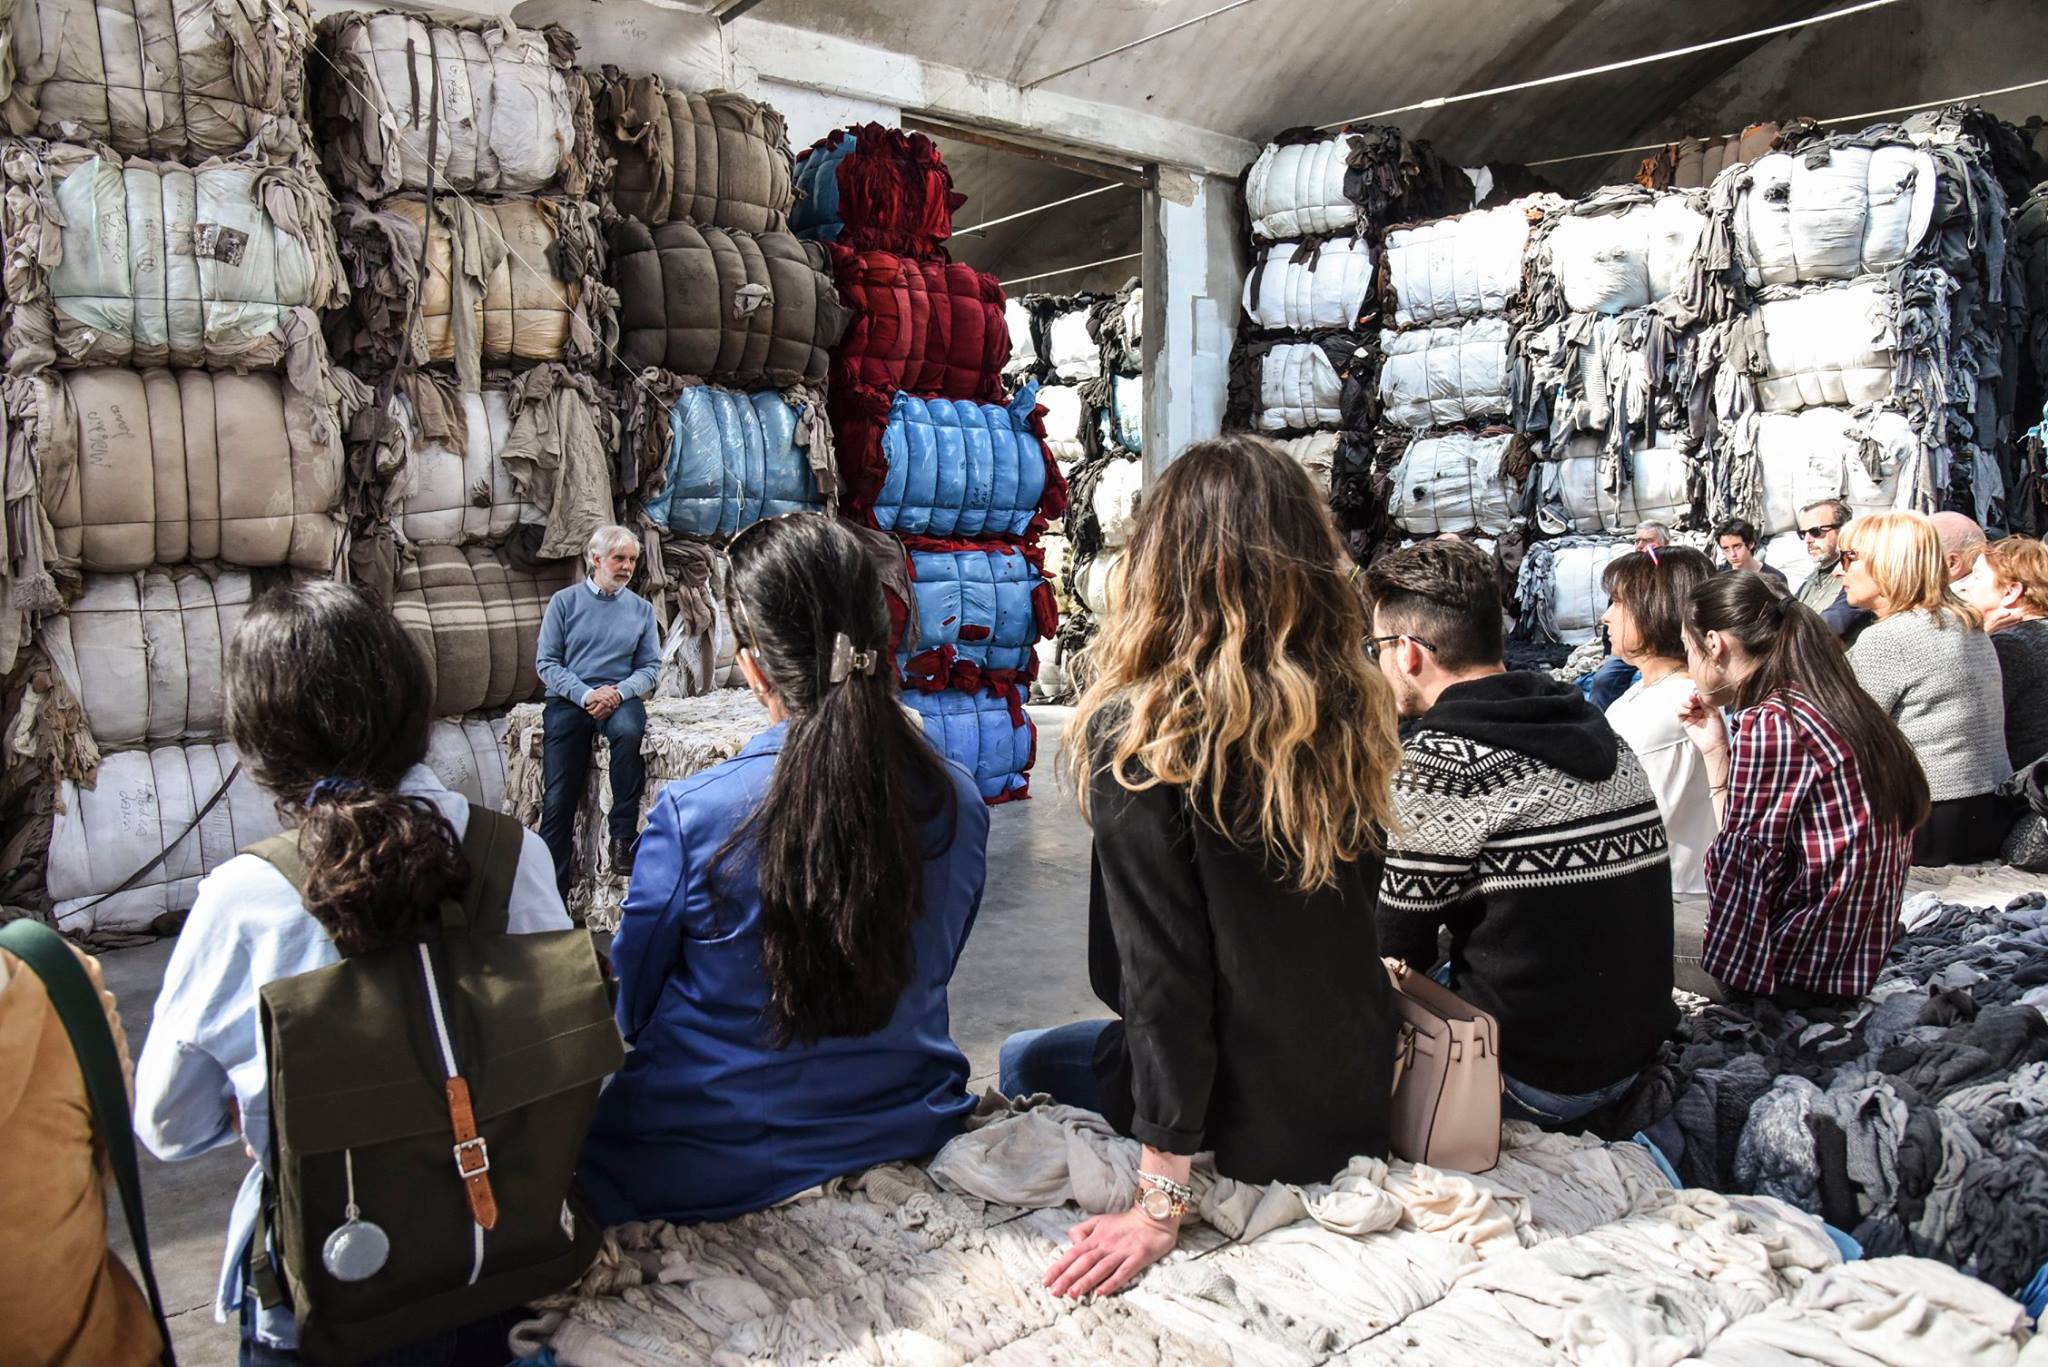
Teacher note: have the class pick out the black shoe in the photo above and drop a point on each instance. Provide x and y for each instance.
(622, 852)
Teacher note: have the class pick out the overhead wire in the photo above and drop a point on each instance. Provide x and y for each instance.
(1041, 208)
(1135, 42)
(1069, 270)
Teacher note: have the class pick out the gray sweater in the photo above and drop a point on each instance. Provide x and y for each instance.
(2023, 661)
(1940, 682)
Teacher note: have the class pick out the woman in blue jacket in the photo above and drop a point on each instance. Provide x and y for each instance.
(794, 918)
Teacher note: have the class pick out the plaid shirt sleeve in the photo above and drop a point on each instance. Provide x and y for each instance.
(1769, 776)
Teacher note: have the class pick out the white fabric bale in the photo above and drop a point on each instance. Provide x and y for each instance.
(1834, 346)
(1833, 213)
(1297, 190)
(464, 497)
(1452, 483)
(140, 806)
(1023, 351)
(1315, 453)
(1299, 388)
(1576, 597)
(1574, 497)
(1076, 357)
(1064, 412)
(145, 653)
(1442, 376)
(1874, 461)
(1462, 267)
(1092, 582)
(1116, 500)
(468, 755)
(1628, 258)
(1300, 288)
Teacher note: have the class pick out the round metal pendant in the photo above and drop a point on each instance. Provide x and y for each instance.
(356, 1251)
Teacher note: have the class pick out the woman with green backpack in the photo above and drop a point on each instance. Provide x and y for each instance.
(341, 1002)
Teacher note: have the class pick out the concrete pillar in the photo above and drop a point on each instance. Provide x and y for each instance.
(1195, 263)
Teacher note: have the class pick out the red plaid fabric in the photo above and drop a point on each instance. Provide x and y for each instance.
(1804, 888)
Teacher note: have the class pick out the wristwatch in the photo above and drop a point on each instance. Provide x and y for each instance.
(1162, 1198)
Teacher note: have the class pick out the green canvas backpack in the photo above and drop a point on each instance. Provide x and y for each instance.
(437, 1090)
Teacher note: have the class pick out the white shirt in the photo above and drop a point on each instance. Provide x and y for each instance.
(205, 1046)
(1647, 719)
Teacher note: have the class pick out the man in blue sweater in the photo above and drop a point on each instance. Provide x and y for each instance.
(598, 658)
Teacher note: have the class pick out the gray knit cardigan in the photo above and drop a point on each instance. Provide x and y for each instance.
(1939, 680)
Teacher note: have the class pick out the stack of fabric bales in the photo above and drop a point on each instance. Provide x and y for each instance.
(930, 450)
(176, 429)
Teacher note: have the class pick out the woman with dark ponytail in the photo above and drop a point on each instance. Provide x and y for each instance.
(1817, 790)
(328, 705)
(794, 917)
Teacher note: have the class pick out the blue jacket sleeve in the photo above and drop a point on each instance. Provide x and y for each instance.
(651, 921)
(557, 677)
(646, 662)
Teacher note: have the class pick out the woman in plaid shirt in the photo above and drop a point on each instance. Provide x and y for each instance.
(1817, 790)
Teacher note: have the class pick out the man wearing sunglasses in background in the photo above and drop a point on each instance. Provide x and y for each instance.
(1821, 525)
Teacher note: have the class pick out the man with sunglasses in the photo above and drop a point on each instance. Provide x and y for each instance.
(1821, 525)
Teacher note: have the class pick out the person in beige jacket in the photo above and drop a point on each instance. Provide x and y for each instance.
(65, 1298)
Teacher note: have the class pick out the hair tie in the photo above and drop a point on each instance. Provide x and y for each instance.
(846, 660)
(332, 787)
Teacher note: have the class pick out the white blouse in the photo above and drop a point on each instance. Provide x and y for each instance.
(1647, 719)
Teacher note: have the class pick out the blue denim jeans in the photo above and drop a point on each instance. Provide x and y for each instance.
(566, 735)
(1059, 1061)
(1520, 1101)
(1610, 681)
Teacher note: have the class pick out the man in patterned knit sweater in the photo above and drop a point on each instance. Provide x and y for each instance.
(1529, 830)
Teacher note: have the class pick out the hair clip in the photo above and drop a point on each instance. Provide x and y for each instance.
(846, 660)
(332, 787)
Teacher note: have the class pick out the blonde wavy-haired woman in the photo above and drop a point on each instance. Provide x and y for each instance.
(1928, 663)
(1235, 755)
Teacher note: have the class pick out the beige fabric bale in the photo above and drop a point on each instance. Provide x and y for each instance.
(477, 620)
(145, 654)
(468, 755)
(718, 158)
(183, 79)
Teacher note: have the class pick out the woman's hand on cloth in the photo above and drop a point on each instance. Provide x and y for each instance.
(1108, 1251)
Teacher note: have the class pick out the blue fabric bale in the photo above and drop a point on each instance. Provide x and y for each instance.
(961, 469)
(816, 211)
(982, 607)
(990, 735)
(732, 460)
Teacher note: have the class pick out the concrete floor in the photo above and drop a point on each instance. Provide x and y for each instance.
(1025, 965)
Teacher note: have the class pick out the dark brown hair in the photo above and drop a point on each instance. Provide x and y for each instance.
(328, 704)
(1654, 589)
(1793, 648)
(1446, 593)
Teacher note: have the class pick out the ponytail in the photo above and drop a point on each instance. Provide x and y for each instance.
(837, 843)
(377, 864)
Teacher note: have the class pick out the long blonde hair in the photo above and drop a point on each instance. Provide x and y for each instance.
(1903, 553)
(1232, 662)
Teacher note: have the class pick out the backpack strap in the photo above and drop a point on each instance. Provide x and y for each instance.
(78, 1006)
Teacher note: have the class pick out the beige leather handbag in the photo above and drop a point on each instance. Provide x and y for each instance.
(1446, 1076)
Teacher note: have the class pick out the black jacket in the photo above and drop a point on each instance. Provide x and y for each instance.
(1256, 1019)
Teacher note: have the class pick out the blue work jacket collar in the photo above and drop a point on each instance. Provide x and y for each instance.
(767, 742)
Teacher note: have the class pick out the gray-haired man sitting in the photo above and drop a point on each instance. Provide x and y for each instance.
(598, 656)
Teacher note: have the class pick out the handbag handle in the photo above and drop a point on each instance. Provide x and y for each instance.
(77, 1003)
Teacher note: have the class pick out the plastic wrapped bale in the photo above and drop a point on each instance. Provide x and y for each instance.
(980, 609)
(1025, 362)
(947, 467)
(684, 736)
(1071, 351)
(1443, 376)
(1308, 183)
(1463, 267)
(500, 110)
(145, 654)
(1621, 248)
(149, 263)
(468, 755)
(734, 459)
(1298, 287)
(1871, 460)
(1832, 212)
(718, 158)
(1063, 420)
(477, 621)
(876, 189)
(990, 735)
(1121, 420)
(752, 310)
(518, 281)
(1836, 346)
(1295, 385)
(1560, 591)
(178, 79)
(144, 806)
(161, 467)
(928, 327)
(1453, 483)
(1587, 489)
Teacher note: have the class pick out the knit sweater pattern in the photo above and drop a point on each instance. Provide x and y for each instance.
(1939, 680)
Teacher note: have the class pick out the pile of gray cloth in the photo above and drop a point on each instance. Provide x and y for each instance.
(1917, 1121)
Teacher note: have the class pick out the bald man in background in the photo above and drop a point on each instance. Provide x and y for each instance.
(1959, 536)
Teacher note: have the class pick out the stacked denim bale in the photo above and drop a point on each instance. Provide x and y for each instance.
(176, 431)
(931, 451)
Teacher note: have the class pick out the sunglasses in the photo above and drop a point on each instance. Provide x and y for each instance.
(1373, 643)
(1850, 557)
(1816, 533)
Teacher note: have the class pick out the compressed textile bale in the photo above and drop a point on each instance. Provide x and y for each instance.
(1442, 376)
(160, 467)
(752, 310)
(947, 467)
(476, 619)
(718, 158)
(178, 79)
(1297, 190)
(151, 263)
(733, 459)
(1624, 248)
(684, 736)
(1560, 591)
(1453, 483)
(1837, 346)
(1833, 212)
(1115, 502)
(980, 609)
(1094, 582)
(928, 327)
(145, 654)
(1058, 553)
(1300, 385)
(513, 116)
(1299, 287)
(460, 494)
(1063, 417)
(1573, 493)
(1462, 267)
(1315, 453)
(1119, 325)
(141, 806)
(1024, 362)
(990, 735)
(876, 189)
(468, 755)
(1873, 461)
(1786, 553)
(1053, 686)
(1071, 349)
(1121, 421)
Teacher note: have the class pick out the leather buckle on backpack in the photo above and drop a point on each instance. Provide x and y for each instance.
(482, 1155)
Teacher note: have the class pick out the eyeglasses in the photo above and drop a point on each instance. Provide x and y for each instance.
(1373, 643)
(1816, 533)
(1850, 557)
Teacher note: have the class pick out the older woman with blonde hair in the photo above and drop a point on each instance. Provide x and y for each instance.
(2007, 581)
(1928, 663)
(1235, 755)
